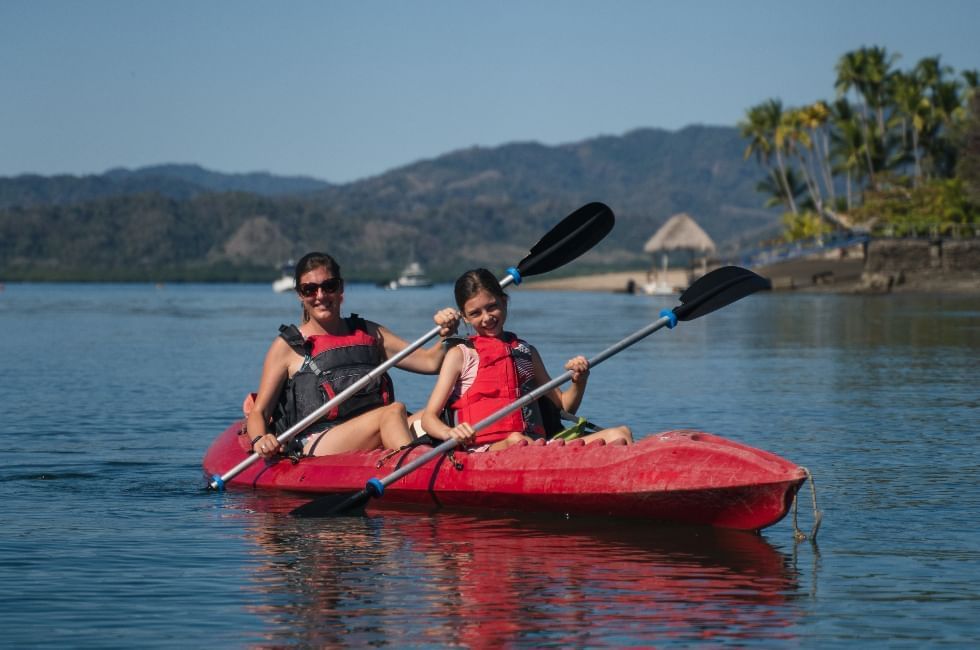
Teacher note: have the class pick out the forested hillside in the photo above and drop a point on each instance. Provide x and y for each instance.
(473, 206)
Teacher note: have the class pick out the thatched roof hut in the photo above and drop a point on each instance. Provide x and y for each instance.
(680, 232)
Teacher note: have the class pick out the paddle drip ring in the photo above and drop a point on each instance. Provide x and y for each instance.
(375, 488)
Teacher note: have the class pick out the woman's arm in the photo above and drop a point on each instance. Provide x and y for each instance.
(423, 361)
(275, 370)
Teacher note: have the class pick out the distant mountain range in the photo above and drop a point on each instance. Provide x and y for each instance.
(174, 181)
(477, 206)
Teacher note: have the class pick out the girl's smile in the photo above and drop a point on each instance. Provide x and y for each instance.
(485, 314)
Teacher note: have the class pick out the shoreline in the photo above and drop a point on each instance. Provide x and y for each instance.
(833, 278)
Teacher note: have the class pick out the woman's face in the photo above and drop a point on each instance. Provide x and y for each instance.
(321, 294)
(485, 313)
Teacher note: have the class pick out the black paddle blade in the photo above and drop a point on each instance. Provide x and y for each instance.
(334, 505)
(574, 235)
(716, 289)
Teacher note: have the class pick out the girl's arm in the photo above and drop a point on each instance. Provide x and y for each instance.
(452, 366)
(570, 399)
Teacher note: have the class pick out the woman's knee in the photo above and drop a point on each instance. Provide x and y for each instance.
(397, 409)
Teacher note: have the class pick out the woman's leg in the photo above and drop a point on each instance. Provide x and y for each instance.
(394, 426)
(367, 431)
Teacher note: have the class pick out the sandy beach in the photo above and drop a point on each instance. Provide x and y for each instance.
(806, 275)
(600, 282)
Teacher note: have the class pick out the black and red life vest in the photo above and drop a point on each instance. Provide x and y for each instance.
(330, 365)
(504, 374)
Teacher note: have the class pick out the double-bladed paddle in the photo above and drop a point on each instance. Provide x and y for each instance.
(570, 238)
(713, 291)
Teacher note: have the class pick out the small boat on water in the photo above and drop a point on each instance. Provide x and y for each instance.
(659, 289)
(685, 476)
(412, 277)
(285, 281)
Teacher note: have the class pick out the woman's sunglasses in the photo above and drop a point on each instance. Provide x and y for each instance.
(333, 285)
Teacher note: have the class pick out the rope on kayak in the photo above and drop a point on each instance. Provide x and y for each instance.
(423, 440)
(798, 534)
(394, 452)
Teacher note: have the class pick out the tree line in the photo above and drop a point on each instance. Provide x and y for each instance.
(472, 207)
(894, 151)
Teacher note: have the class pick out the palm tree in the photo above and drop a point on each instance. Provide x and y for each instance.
(767, 137)
(968, 165)
(931, 72)
(800, 143)
(780, 194)
(815, 118)
(867, 71)
(972, 79)
(948, 109)
(850, 76)
(848, 146)
(913, 108)
(878, 83)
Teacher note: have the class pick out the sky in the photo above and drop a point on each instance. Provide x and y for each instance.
(342, 91)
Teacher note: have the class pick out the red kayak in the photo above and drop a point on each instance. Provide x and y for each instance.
(685, 476)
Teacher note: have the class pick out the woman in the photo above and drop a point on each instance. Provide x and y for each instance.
(308, 365)
(494, 369)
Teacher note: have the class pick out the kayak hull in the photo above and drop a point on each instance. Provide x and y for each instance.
(684, 476)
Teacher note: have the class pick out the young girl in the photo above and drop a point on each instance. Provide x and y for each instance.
(306, 366)
(495, 368)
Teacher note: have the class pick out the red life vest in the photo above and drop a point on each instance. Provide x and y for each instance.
(505, 372)
(330, 365)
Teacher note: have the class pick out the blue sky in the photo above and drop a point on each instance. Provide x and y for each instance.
(342, 91)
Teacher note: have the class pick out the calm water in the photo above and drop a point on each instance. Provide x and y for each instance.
(111, 394)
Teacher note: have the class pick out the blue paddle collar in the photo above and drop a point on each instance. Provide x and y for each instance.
(375, 487)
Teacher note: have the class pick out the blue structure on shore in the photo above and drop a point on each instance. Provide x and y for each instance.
(767, 255)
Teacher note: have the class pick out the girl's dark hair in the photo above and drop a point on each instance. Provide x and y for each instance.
(473, 282)
(315, 260)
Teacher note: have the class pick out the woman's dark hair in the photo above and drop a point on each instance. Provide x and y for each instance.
(473, 282)
(312, 261)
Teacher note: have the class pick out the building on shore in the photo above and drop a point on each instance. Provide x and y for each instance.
(680, 234)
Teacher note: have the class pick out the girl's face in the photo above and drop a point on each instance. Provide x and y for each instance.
(485, 313)
(321, 294)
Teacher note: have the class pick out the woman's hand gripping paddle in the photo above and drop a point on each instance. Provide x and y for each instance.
(713, 291)
(572, 236)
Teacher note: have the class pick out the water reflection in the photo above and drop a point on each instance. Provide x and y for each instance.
(410, 578)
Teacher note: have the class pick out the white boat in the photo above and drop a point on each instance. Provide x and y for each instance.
(286, 282)
(659, 286)
(412, 277)
(658, 289)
